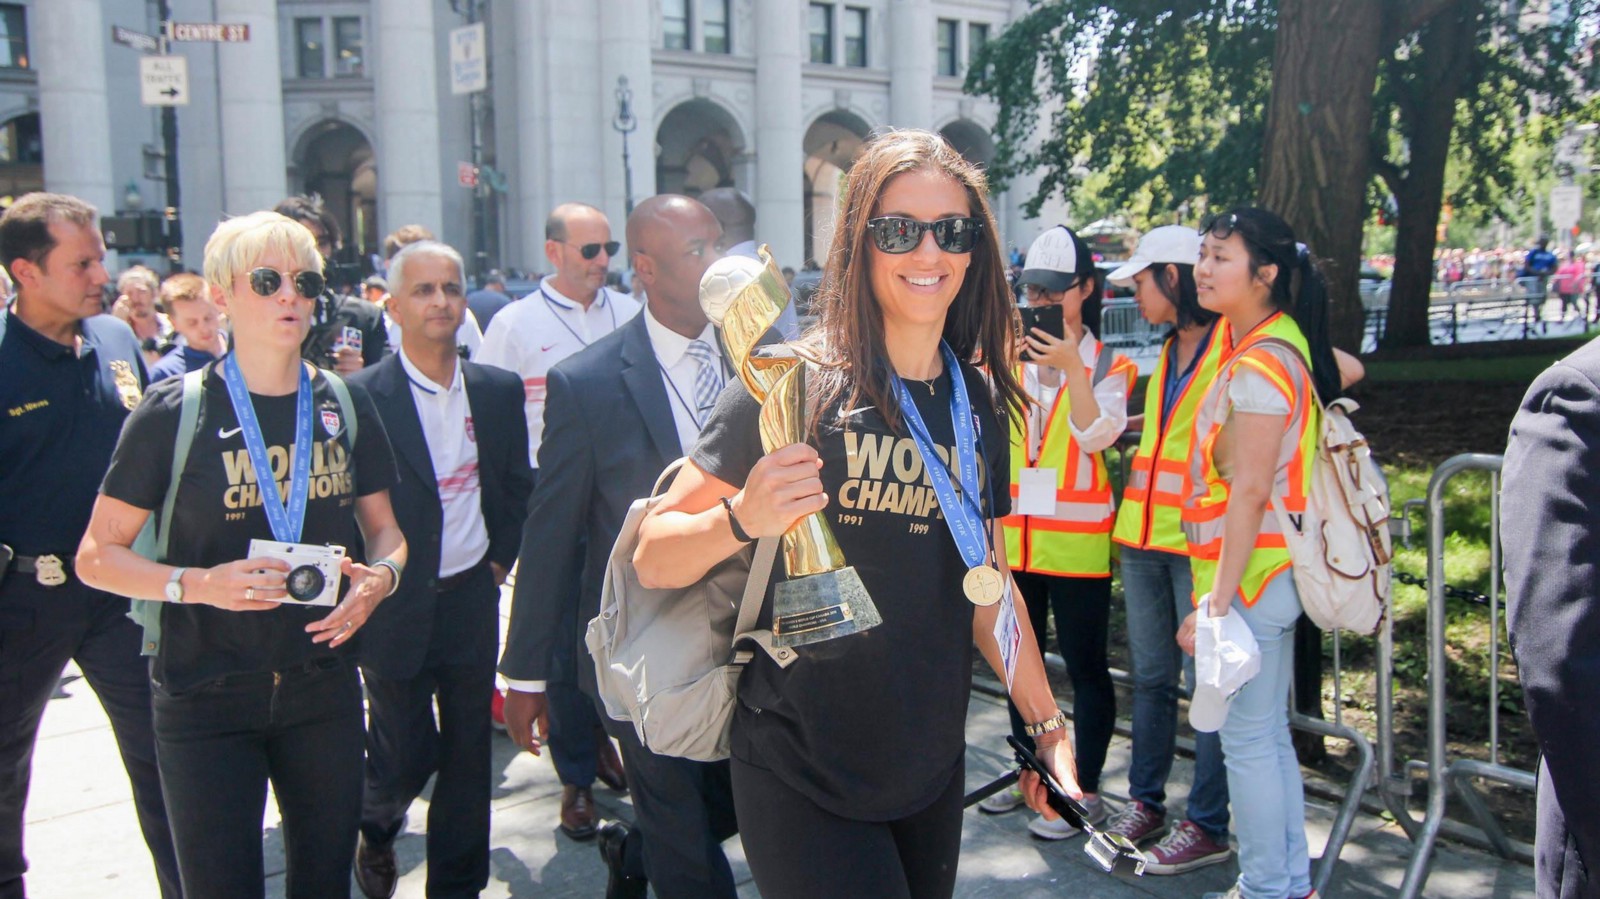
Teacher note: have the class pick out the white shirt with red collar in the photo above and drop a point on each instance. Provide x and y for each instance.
(446, 418)
(534, 333)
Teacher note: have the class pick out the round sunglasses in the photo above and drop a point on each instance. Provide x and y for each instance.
(267, 281)
(591, 250)
(897, 234)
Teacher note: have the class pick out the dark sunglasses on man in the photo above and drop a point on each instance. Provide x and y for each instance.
(267, 281)
(897, 234)
(591, 250)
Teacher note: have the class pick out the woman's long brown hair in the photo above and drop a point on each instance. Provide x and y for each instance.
(849, 336)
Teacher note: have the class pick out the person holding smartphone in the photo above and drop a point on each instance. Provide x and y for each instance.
(249, 686)
(847, 766)
(1058, 535)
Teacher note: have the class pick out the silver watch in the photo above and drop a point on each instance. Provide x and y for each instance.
(175, 585)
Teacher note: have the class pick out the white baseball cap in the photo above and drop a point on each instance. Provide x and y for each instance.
(1159, 246)
(1056, 259)
(1226, 657)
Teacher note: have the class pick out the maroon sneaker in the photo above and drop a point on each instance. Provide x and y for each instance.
(1184, 848)
(1137, 821)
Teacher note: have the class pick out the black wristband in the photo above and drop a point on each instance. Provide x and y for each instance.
(738, 532)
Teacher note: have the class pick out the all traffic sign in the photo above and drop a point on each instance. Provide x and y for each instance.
(164, 81)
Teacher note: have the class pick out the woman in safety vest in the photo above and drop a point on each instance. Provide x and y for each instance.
(1154, 559)
(1058, 537)
(1255, 438)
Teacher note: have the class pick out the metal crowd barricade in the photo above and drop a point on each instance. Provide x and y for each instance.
(1443, 774)
(1121, 325)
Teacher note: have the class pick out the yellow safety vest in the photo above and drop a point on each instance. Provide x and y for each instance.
(1206, 493)
(1075, 541)
(1151, 514)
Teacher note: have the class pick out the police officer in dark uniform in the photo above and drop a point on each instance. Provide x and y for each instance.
(69, 375)
(347, 333)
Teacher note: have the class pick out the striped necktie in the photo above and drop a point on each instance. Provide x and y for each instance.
(708, 380)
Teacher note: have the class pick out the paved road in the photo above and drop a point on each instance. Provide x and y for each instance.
(83, 840)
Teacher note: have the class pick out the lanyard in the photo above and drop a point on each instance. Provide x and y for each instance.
(694, 415)
(286, 523)
(959, 504)
(555, 310)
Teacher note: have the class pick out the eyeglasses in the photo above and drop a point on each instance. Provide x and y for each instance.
(591, 250)
(1220, 226)
(898, 234)
(266, 282)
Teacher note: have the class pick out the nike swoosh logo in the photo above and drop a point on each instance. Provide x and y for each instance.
(851, 413)
(546, 349)
(225, 434)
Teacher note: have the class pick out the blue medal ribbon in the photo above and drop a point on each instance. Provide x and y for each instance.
(286, 523)
(962, 513)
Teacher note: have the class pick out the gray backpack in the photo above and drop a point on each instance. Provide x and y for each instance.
(152, 540)
(667, 659)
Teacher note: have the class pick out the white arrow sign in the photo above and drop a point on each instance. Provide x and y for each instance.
(164, 81)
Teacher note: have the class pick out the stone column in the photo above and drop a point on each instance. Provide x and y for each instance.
(249, 78)
(406, 90)
(625, 50)
(780, 218)
(911, 63)
(532, 184)
(68, 46)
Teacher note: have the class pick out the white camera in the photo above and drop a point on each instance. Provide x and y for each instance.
(314, 570)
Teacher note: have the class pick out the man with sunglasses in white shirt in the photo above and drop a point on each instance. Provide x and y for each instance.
(570, 310)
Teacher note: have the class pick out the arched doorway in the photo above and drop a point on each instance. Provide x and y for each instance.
(21, 158)
(971, 140)
(335, 161)
(699, 147)
(831, 144)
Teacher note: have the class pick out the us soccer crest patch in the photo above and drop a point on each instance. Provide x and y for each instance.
(330, 422)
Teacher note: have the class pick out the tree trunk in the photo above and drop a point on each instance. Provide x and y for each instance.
(1316, 158)
(1428, 108)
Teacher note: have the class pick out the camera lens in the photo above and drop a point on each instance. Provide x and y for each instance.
(305, 583)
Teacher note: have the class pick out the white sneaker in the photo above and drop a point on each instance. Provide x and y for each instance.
(1004, 801)
(1059, 829)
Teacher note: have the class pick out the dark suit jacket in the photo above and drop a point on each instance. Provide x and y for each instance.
(395, 641)
(1550, 536)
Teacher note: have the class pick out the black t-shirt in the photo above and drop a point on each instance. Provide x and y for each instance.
(872, 725)
(332, 315)
(218, 510)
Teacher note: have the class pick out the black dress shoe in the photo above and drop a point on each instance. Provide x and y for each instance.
(578, 816)
(618, 884)
(375, 869)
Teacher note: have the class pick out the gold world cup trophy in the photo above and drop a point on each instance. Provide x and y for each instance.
(823, 597)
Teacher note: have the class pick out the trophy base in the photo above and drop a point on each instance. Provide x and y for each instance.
(821, 607)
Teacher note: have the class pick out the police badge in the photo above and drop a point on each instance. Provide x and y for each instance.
(126, 381)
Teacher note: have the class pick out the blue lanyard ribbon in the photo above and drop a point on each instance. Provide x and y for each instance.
(286, 523)
(962, 513)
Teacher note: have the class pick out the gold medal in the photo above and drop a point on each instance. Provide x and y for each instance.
(983, 585)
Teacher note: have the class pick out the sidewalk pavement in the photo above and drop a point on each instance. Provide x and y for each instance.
(83, 839)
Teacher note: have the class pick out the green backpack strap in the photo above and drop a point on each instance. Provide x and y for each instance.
(341, 391)
(152, 540)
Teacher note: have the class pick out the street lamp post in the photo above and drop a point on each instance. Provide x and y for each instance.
(625, 123)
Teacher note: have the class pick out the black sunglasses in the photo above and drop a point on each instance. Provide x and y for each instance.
(266, 281)
(1220, 226)
(591, 250)
(898, 234)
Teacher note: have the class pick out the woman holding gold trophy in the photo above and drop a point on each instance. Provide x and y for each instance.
(848, 763)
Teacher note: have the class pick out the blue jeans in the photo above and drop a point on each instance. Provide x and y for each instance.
(1156, 587)
(219, 744)
(1271, 824)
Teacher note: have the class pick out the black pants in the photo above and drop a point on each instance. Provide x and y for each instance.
(405, 745)
(683, 811)
(799, 850)
(41, 629)
(221, 743)
(1082, 606)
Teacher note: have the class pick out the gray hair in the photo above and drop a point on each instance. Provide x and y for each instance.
(397, 265)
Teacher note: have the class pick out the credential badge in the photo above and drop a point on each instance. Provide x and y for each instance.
(127, 383)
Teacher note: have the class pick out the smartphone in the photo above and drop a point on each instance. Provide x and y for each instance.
(6, 555)
(347, 337)
(1045, 318)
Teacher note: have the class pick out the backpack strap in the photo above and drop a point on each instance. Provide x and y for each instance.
(755, 595)
(347, 407)
(1102, 364)
(153, 539)
(1301, 358)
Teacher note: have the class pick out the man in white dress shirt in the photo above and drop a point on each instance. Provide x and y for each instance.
(619, 412)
